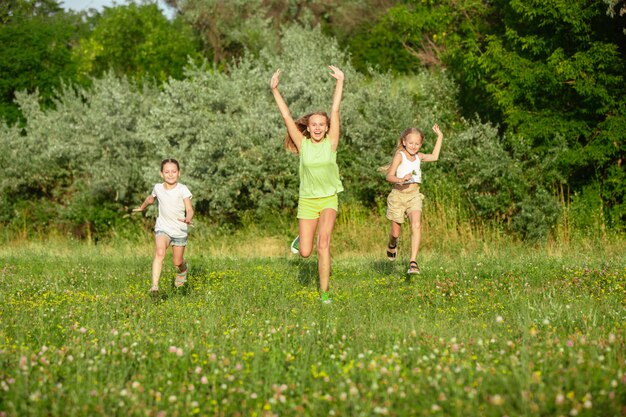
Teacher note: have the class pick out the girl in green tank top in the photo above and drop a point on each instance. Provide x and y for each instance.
(314, 137)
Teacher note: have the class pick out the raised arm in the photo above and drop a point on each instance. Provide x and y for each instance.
(292, 129)
(432, 157)
(334, 131)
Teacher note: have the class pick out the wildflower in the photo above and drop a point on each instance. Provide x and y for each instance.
(496, 400)
(560, 399)
(499, 319)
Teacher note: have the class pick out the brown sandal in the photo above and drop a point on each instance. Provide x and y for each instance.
(413, 268)
(392, 255)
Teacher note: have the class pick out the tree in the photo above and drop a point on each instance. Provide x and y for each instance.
(228, 28)
(136, 41)
(548, 73)
(36, 38)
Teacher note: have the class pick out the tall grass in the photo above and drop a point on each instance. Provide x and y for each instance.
(490, 328)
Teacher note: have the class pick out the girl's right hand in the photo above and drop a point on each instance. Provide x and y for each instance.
(275, 79)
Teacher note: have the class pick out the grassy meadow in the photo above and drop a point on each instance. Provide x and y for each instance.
(490, 328)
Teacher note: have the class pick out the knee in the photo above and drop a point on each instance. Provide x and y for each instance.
(305, 253)
(416, 226)
(159, 253)
(323, 244)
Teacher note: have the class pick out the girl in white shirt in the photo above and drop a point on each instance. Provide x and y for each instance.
(175, 213)
(405, 198)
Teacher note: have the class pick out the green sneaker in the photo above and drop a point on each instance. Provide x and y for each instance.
(325, 298)
(295, 245)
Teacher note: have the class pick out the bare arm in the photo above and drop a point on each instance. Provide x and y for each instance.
(149, 200)
(391, 172)
(432, 157)
(333, 132)
(188, 211)
(292, 129)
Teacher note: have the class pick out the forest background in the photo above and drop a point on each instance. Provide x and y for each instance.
(530, 95)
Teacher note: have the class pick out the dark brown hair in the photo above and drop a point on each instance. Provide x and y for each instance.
(170, 161)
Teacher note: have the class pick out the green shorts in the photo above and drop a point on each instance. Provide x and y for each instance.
(311, 208)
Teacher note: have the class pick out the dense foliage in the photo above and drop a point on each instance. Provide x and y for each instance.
(530, 96)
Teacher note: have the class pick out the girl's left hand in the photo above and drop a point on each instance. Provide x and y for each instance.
(337, 73)
(436, 129)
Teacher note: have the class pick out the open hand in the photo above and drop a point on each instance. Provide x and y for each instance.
(275, 79)
(337, 73)
(437, 130)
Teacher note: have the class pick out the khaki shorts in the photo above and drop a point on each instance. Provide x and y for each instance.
(311, 208)
(402, 200)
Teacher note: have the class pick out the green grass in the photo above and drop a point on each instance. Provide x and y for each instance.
(506, 331)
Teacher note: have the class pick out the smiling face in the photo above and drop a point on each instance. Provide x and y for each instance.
(317, 126)
(170, 173)
(412, 143)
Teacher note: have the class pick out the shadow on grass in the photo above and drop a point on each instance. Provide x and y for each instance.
(385, 266)
(307, 270)
(395, 268)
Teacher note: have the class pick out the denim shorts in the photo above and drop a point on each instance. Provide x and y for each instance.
(174, 241)
(311, 208)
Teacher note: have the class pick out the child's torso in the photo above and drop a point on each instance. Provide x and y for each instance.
(410, 167)
(319, 174)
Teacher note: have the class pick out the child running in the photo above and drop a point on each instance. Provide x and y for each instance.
(175, 213)
(315, 138)
(405, 198)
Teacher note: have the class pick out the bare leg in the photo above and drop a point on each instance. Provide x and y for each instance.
(396, 229)
(178, 257)
(416, 232)
(161, 243)
(307, 233)
(325, 230)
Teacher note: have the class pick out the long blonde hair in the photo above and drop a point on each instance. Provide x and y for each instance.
(400, 145)
(302, 123)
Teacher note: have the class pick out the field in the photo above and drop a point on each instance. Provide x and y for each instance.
(503, 330)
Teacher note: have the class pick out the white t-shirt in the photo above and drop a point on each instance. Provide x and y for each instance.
(407, 167)
(171, 208)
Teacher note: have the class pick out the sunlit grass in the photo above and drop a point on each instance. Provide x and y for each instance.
(510, 330)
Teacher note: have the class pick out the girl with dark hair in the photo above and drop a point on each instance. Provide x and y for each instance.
(175, 213)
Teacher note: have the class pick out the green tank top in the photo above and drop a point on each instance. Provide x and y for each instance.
(319, 173)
